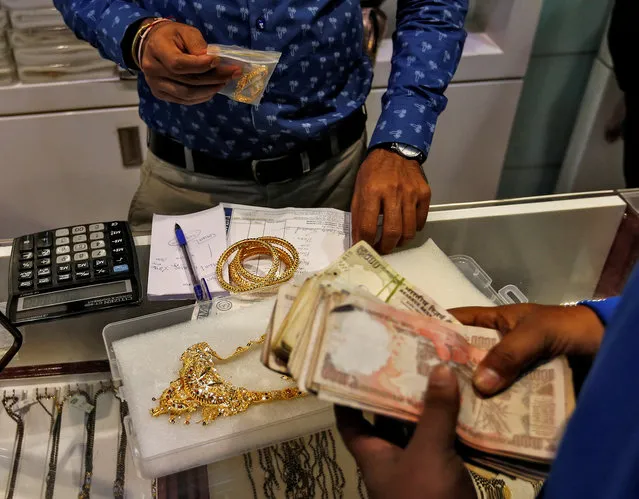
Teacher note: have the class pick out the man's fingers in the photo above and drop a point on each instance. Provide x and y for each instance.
(221, 75)
(422, 211)
(392, 226)
(355, 203)
(360, 439)
(183, 94)
(193, 40)
(477, 316)
(368, 213)
(435, 433)
(517, 351)
(409, 220)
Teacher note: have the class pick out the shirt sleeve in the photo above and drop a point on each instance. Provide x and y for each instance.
(102, 23)
(605, 309)
(427, 47)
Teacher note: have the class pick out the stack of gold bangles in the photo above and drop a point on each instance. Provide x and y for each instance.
(280, 252)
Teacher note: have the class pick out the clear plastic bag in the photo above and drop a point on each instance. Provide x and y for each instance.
(257, 68)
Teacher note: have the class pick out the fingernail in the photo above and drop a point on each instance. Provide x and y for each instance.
(486, 380)
(237, 74)
(441, 375)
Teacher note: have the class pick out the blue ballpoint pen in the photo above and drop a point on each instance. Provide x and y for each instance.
(200, 288)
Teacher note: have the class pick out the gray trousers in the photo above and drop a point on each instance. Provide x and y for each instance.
(168, 190)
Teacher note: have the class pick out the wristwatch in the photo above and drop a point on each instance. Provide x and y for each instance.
(405, 151)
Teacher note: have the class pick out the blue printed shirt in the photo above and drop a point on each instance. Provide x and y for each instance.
(323, 75)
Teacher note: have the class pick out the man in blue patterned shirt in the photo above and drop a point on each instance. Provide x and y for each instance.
(304, 143)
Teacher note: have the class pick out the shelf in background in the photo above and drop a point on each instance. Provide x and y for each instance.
(33, 98)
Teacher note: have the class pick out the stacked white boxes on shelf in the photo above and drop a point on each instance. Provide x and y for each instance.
(7, 67)
(46, 50)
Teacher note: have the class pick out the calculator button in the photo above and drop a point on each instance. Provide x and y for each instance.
(26, 243)
(119, 260)
(26, 265)
(61, 241)
(80, 247)
(27, 255)
(96, 227)
(99, 253)
(85, 274)
(25, 275)
(117, 251)
(25, 285)
(64, 268)
(44, 262)
(44, 252)
(94, 236)
(78, 257)
(61, 232)
(61, 250)
(80, 229)
(98, 264)
(117, 242)
(81, 238)
(44, 281)
(115, 233)
(81, 266)
(44, 240)
(97, 244)
(44, 272)
(118, 269)
(64, 277)
(113, 225)
(100, 272)
(63, 259)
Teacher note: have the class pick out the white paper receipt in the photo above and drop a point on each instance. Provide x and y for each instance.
(205, 233)
(320, 235)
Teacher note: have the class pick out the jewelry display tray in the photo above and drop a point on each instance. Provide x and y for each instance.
(160, 448)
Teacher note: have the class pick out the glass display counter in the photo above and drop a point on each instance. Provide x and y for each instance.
(555, 249)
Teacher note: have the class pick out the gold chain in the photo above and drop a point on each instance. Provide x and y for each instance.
(200, 387)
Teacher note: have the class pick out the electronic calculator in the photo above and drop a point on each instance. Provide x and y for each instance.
(72, 270)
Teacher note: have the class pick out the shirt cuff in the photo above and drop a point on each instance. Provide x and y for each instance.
(605, 309)
(113, 27)
(408, 121)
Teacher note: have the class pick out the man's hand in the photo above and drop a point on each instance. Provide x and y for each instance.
(177, 68)
(532, 333)
(429, 467)
(392, 185)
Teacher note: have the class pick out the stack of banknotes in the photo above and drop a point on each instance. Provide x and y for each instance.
(359, 334)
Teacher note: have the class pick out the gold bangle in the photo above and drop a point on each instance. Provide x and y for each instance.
(242, 287)
(285, 250)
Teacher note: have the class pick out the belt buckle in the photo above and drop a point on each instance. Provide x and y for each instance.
(256, 173)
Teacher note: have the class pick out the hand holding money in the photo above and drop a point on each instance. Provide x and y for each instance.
(390, 471)
(531, 333)
(360, 335)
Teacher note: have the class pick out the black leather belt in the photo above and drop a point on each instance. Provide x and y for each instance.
(264, 171)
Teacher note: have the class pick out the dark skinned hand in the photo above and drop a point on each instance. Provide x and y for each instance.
(429, 467)
(396, 187)
(531, 334)
(178, 69)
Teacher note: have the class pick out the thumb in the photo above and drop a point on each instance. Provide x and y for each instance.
(436, 428)
(503, 363)
(194, 42)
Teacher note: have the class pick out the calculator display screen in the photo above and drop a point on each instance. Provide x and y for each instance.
(71, 295)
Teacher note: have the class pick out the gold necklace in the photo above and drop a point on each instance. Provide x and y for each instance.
(200, 387)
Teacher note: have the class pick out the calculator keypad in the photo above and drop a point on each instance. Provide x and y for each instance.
(72, 254)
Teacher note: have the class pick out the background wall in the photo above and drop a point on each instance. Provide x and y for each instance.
(566, 43)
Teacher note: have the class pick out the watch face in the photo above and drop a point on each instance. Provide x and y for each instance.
(408, 151)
